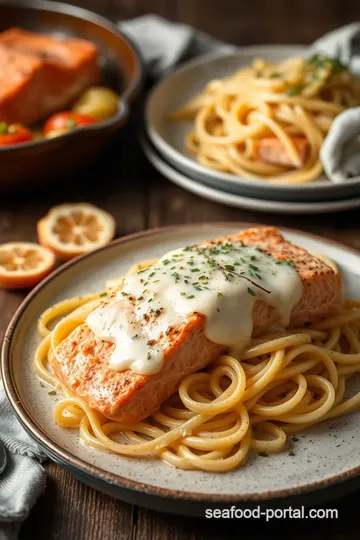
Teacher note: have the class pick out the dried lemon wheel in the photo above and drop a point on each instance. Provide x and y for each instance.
(24, 264)
(74, 229)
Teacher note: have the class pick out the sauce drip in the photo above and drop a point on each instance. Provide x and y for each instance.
(222, 280)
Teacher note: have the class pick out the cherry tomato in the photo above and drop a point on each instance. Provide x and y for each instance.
(66, 121)
(13, 134)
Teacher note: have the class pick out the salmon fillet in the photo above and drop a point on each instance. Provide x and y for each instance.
(41, 74)
(271, 150)
(81, 360)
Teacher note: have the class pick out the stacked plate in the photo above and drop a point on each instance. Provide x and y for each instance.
(163, 143)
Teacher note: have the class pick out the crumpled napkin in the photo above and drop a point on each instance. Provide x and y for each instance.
(342, 43)
(164, 44)
(340, 152)
(24, 478)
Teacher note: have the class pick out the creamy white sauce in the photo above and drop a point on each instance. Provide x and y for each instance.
(221, 280)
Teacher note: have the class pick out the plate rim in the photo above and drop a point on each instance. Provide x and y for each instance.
(67, 459)
(166, 149)
(236, 200)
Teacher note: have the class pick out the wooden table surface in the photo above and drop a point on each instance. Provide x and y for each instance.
(122, 182)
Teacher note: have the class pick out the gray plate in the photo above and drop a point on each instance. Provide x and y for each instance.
(168, 137)
(241, 201)
(322, 468)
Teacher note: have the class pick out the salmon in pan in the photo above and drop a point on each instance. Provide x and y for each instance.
(41, 74)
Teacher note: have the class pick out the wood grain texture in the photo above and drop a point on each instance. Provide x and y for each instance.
(122, 182)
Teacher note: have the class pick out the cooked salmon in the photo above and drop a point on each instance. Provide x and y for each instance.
(42, 74)
(82, 360)
(271, 150)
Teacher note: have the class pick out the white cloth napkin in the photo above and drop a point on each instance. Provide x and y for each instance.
(340, 152)
(344, 44)
(24, 478)
(164, 44)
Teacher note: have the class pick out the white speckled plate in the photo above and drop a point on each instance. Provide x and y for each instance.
(168, 137)
(326, 461)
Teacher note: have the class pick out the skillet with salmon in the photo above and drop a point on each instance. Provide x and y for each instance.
(82, 361)
(41, 74)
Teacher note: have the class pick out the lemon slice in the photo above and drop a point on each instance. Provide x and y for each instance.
(74, 229)
(24, 264)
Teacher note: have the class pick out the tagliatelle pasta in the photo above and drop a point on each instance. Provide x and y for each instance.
(268, 122)
(282, 383)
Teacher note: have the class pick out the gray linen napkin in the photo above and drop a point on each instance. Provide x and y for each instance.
(24, 478)
(164, 44)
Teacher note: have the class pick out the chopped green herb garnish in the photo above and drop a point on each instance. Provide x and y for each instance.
(337, 66)
(294, 90)
(135, 336)
(166, 261)
(322, 60)
(52, 393)
(195, 270)
(71, 123)
(103, 294)
(219, 294)
(250, 291)
(124, 293)
(190, 296)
